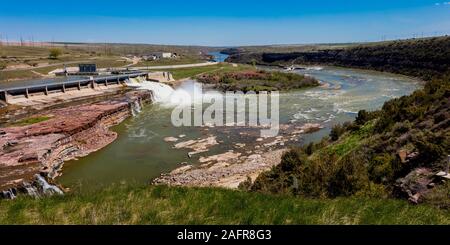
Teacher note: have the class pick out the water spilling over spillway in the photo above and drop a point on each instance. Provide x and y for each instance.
(161, 91)
(140, 152)
(188, 93)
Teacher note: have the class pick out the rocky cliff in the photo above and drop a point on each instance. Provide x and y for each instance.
(40, 149)
(424, 58)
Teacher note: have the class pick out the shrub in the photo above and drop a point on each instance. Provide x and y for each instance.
(309, 149)
(54, 53)
(381, 168)
(401, 127)
(291, 159)
(439, 196)
(336, 132)
(245, 185)
(349, 177)
(362, 117)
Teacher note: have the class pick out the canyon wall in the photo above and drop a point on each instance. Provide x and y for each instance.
(423, 58)
(40, 149)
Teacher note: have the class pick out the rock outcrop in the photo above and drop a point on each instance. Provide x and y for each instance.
(418, 183)
(71, 132)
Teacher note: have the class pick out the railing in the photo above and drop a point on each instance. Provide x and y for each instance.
(62, 86)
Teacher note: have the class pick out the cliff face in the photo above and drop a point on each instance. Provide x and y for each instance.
(71, 132)
(424, 58)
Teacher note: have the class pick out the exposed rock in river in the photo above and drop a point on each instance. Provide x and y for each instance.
(229, 170)
(41, 148)
(198, 146)
(170, 139)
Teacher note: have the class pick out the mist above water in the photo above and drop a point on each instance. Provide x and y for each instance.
(140, 152)
(188, 93)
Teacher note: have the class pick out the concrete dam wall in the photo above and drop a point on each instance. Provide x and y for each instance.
(82, 85)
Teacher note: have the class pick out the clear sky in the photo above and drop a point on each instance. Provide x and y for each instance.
(223, 23)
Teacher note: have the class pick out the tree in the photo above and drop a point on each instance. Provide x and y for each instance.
(362, 118)
(336, 132)
(54, 53)
(254, 63)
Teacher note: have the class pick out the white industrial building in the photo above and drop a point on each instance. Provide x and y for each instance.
(159, 55)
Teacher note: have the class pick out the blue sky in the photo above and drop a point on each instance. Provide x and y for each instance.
(223, 23)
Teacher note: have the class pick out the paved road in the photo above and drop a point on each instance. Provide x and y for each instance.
(175, 66)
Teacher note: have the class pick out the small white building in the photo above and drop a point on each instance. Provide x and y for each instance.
(159, 55)
(163, 55)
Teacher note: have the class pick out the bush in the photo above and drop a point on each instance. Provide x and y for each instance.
(439, 196)
(349, 177)
(401, 127)
(362, 117)
(245, 185)
(381, 168)
(336, 132)
(54, 53)
(309, 149)
(291, 159)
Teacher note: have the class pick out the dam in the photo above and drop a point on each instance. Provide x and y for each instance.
(28, 90)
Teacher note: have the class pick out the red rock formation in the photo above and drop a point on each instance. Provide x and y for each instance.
(70, 132)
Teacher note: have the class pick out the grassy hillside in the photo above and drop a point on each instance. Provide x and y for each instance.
(128, 204)
(393, 152)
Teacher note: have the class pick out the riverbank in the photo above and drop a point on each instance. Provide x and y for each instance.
(42, 146)
(257, 80)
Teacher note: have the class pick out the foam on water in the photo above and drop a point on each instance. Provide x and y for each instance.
(188, 93)
(140, 152)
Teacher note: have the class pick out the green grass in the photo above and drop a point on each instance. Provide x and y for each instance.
(111, 61)
(351, 141)
(181, 73)
(130, 204)
(18, 51)
(14, 75)
(31, 120)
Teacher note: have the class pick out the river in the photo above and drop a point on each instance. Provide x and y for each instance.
(218, 57)
(140, 153)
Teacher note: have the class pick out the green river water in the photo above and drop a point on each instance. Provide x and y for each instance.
(140, 154)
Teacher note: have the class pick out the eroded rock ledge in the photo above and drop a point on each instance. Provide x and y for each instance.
(71, 132)
(233, 167)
